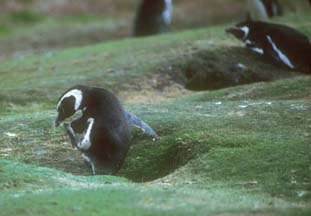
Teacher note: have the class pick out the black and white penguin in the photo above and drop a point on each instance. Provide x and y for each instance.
(279, 43)
(102, 133)
(262, 10)
(153, 17)
(273, 8)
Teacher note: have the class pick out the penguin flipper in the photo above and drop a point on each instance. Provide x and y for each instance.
(134, 120)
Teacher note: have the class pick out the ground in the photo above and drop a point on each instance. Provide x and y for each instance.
(238, 148)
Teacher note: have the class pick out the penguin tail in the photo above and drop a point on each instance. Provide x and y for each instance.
(134, 120)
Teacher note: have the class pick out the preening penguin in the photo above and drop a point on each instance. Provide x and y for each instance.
(263, 9)
(104, 126)
(276, 42)
(153, 17)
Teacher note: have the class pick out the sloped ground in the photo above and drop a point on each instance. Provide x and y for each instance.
(236, 151)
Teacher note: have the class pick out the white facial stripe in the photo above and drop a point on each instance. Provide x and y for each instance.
(77, 94)
(281, 55)
(85, 143)
(245, 29)
(167, 12)
(258, 50)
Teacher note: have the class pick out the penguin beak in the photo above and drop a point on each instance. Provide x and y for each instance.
(238, 33)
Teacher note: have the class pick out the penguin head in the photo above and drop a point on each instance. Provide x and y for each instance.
(241, 31)
(68, 104)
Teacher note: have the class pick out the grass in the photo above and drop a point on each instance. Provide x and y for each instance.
(112, 196)
(20, 18)
(240, 150)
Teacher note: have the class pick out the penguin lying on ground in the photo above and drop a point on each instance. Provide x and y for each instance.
(263, 9)
(279, 43)
(104, 126)
(153, 17)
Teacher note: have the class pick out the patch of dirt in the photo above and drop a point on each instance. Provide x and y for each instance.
(67, 160)
(162, 85)
(46, 150)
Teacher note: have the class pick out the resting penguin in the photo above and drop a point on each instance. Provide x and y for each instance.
(104, 126)
(153, 17)
(263, 9)
(279, 43)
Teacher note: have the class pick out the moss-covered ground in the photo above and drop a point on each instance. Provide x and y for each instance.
(242, 150)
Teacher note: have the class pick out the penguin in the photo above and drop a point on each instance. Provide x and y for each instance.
(262, 10)
(153, 17)
(273, 8)
(279, 43)
(102, 133)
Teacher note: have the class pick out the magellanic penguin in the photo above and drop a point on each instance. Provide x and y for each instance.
(262, 10)
(153, 17)
(102, 133)
(279, 43)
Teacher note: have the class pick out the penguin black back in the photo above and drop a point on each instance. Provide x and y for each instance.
(110, 133)
(101, 104)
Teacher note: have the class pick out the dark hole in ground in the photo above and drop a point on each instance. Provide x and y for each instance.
(213, 69)
(225, 67)
(148, 161)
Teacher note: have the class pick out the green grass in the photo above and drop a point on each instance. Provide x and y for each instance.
(64, 194)
(25, 178)
(18, 19)
(236, 151)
